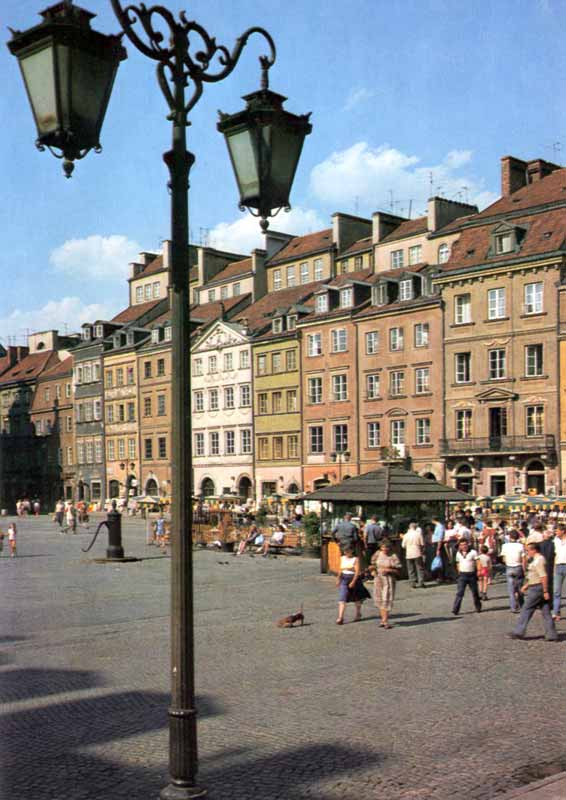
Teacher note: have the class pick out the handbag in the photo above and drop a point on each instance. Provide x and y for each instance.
(436, 564)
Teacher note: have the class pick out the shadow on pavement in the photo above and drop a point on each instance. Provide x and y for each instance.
(22, 684)
(423, 621)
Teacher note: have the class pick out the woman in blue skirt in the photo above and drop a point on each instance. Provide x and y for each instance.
(350, 585)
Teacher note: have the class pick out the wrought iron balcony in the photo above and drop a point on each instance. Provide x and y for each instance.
(497, 445)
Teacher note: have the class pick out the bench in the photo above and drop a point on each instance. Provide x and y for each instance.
(291, 540)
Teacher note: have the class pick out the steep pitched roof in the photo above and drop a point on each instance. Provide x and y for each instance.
(209, 311)
(29, 367)
(411, 227)
(237, 268)
(302, 246)
(357, 247)
(259, 314)
(551, 189)
(64, 367)
(150, 269)
(545, 233)
(133, 313)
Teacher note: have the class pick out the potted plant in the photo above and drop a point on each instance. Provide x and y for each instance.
(312, 535)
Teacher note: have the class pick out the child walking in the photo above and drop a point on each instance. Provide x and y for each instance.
(12, 535)
(485, 571)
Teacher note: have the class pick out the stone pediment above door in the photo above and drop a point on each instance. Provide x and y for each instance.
(496, 395)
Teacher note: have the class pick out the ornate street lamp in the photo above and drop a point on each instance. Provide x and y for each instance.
(68, 70)
(264, 142)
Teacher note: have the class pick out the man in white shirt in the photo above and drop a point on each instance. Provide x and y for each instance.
(413, 545)
(559, 569)
(467, 562)
(513, 555)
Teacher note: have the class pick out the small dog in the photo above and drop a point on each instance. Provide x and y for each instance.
(289, 622)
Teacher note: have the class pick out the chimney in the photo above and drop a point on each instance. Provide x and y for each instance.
(383, 224)
(539, 169)
(166, 254)
(347, 229)
(276, 241)
(513, 175)
(441, 211)
(259, 274)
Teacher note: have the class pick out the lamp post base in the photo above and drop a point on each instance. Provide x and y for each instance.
(179, 792)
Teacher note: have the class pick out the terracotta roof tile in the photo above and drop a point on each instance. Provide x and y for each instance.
(347, 277)
(29, 367)
(410, 227)
(551, 189)
(302, 246)
(357, 247)
(395, 273)
(231, 271)
(132, 313)
(258, 315)
(208, 311)
(545, 234)
(64, 367)
(150, 269)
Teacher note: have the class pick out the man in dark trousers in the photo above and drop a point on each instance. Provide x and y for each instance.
(467, 561)
(547, 549)
(373, 534)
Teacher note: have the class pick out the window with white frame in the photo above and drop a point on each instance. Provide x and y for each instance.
(160, 367)
(139, 294)
(80, 453)
(416, 254)
(291, 277)
(314, 344)
(262, 403)
(276, 362)
(98, 409)
(496, 303)
(534, 298)
(246, 441)
(228, 362)
(121, 448)
(406, 289)
(462, 309)
(374, 434)
(292, 446)
(372, 385)
(111, 450)
(358, 263)
(396, 259)
(236, 289)
(422, 380)
(147, 406)
(212, 364)
(316, 442)
(244, 359)
(211, 295)
(422, 332)
(197, 366)
(229, 397)
(147, 291)
(379, 296)
(277, 325)
(314, 390)
(463, 371)
(214, 443)
(229, 443)
(397, 432)
(131, 449)
(305, 272)
(213, 400)
(396, 383)
(318, 269)
(167, 333)
(109, 414)
(276, 279)
(497, 363)
(340, 437)
(321, 303)
(262, 364)
(504, 243)
(199, 444)
(422, 430)
(291, 399)
(339, 387)
(223, 292)
(339, 340)
(291, 322)
(535, 420)
(156, 290)
(534, 360)
(277, 447)
(372, 342)
(263, 447)
(443, 253)
(347, 297)
(396, 339)
(245, 395)
(464, 424)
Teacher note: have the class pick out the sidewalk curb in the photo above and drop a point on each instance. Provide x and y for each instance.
(539, 789)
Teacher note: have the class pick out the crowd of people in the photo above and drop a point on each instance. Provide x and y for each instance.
(468, 548)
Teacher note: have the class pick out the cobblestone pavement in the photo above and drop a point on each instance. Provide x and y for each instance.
(438, 708)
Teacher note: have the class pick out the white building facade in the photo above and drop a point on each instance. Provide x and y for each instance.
(222, 412)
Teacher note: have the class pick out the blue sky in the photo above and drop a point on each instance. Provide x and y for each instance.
(397, 92)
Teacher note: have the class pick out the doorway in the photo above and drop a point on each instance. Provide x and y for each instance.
(497, 485)
(497, 426)
(535, 477)
(465, 479)
(245, 487)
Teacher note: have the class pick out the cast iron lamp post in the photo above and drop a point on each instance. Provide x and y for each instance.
(68, 71)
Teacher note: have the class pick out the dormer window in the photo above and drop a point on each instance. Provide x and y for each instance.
(503, 243)
(116, 340)
(506, 238)
(130, 337)
(167, 332)
(155, 336)
(98, 331)
(291, 322)
(406, 289)
(86, 334)
(347, 298)
(322, 303)
(379, 294)
(277, 325)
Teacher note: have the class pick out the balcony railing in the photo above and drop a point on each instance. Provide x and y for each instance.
(498, 444)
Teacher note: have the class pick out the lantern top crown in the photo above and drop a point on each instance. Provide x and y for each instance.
(66, 11)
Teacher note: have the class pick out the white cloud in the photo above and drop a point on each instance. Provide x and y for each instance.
(55, 314)
(357, 97)
(243, 235)
(374, 176)
(95, 257)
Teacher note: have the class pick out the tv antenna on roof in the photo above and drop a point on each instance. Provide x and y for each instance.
(556, 148)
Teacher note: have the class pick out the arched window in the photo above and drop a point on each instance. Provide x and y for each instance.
(245, 487)
(207, 487)
(465, 479)
(114, 489)
(151, 487)
(293, 489)
(443, 253)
